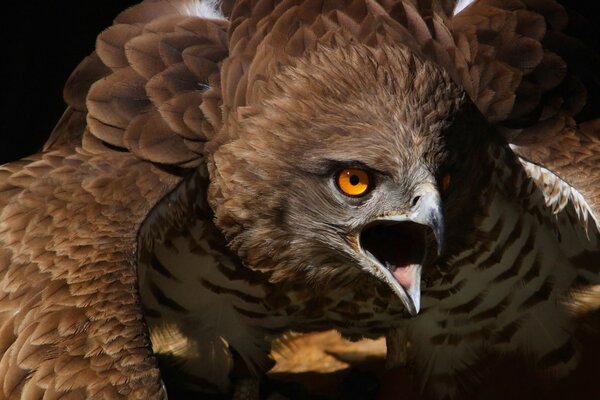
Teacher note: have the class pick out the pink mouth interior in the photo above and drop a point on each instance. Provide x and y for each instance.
(405, 275)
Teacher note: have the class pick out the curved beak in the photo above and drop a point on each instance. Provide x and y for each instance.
(397, 245)
(428, 211)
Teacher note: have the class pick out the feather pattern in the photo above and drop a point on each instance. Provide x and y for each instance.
(70, 316)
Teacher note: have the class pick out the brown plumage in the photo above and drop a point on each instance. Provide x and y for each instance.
(186, 207)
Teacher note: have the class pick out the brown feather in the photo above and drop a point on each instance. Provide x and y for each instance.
(110, 44)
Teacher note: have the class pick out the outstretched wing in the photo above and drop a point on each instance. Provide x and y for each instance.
(71, 323)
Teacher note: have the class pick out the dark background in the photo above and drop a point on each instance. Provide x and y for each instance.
(41, 42)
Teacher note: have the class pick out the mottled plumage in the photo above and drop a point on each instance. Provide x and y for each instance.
(185, 208)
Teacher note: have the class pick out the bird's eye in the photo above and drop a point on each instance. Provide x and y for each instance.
(353, 182)
(446, 182)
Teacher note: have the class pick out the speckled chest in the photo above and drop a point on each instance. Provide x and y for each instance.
(197, 297)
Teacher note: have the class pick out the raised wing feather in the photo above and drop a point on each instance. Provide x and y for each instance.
(142, 88)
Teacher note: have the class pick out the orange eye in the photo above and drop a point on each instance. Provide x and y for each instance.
(446, 182)
(353, 181)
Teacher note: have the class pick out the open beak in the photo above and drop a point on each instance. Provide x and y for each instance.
(397, 246)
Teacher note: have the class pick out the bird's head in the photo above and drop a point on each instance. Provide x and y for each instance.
(352, 160)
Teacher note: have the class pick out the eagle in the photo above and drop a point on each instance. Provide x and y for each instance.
(228, 172)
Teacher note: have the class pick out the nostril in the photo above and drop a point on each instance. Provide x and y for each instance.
(416, 200)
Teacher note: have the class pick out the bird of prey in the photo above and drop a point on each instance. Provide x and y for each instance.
(227, 172)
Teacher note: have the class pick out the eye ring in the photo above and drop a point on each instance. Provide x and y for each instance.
(353, 182)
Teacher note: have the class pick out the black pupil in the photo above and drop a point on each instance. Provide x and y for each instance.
(354, 180)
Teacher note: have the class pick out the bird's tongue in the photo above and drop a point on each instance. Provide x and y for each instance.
(405, 265)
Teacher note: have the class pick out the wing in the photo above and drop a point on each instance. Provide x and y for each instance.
(532, 69)
(70, 320)
(558, 194)
(142, 89)
(71, 323)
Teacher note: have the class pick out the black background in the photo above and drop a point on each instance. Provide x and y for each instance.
(41, 42)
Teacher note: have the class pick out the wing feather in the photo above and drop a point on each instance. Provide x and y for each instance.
(559, 194)
(574, 157)
(140, 91)
(70, 316)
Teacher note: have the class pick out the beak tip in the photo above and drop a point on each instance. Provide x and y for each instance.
(416, 307)
(412, 297)
(413, 312)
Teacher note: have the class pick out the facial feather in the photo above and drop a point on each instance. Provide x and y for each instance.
(386, 109)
